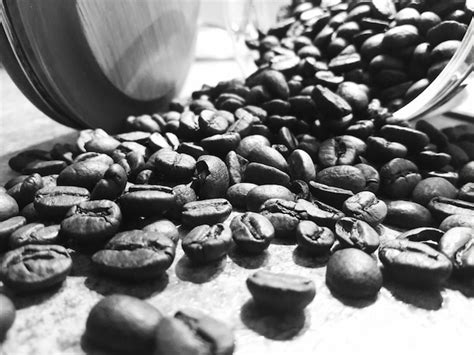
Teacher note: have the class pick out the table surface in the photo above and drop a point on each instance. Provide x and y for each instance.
(400, 320)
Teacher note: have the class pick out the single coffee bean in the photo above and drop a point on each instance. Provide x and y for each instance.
(183, 194)
(336, 151)
(282, 293)
(221, 144)
(458, 245)
(112, 185)
(415, 263)
(456, 220)
(236, 165)
(466, 174)
(452, 177)
(466, 192)
(354, 274)
(458, 156)
(366, 207)
(24, 191)
(406, 214)
(7, 227)
(313, 239)
(135, 255)
(400, 36)
(34, 233)
(413, 139)
(258, 195)
(251, 142)
(435, 135)
(162, 226)
(442, 207)
(331, 195)
(237, 194)
(205, 244)
(318, 212)
(252, 232)
(399, 177)
(381, 150)
(427, 235)
(7, 315)
(34, 268)
(43, 168)
(21, 160)
(210, 211)
(192, 332)
(353, 233)
(432, 160)
(301, 166)
(331, 104)
(261, 174)
(342, 176)
(428, 188)
(91, 222)
(283, 215)
(147, 200)
(213, 177)
(172, 166)
(121, 323)
(268, 156)
(55, 201)
(445, 31)
(8, 207)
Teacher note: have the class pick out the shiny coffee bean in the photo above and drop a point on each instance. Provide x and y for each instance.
(415, 263)
(399, 177)
(442, 207)
(212, 177)
(112, 185)
(147, 200)
(24, 192)
(466, 192)
(162, 226)
(193, 332)
(268, 156)
(380, 150)
(121, 323)
(330, 195)
(366, 207)
(337, 151)
(261, 174)
(236, 165)
(413, 139)
(354, 274)
(456, 220)
(406, 214)
(353, 233)
(33, 268)
(210, 211)
(8, 207)
(54, 202)
(237, 194)
(135, 255)
(205, 244)
(313, 239)
(281, 293)
(258, 195)
(252, 232)
(35, 233)
(283, 215)
(428, 188)
(172, 166)
(342, 176)
(301, 166)
(458, 245)
(7, 227)
(427, 235)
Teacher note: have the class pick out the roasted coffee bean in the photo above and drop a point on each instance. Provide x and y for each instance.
(112, 185)
(372, 177)
(458, 245)
(313, 239)
(54, 202)
(35, 233)
(282, 293)
(406, 214)
(435, 135)
(34, 268)
(332, 105)
(121, 323)
(301, 166)
(399, 177)
(43, 168)
(452, 177)
(212, 122)
(456, 220)
(236, 165)
(252, 232)
(353, 233)
(466, 192)
(301, 189)
(283, 215)
(399, 37)
(221, 144)
(205, 243)
(258, 195)
(427, 235)
(428, 188)
(147, 200)
(251, 142)
(354, 274)
(261, 174)
(458, 156)
(415, 263)
(237, 194)
(331, 195)
(91, 222)
(7, 315)
(318, 212)
(8, 207)
(21, 160)
(24, 192)
(192, 332)
(343, 176)
(210, 211)
(212, 177)
(466, 174)
(268, 156)
(411, 138)
(135, 255)
(366, 207)
(285, 137)
(433, 160)
(443, 207)
(183, 194)
(445, 31)
(162, 226)
(172, 166)
(7, 227)
(337, 151)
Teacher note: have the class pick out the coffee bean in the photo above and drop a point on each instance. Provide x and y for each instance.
(336, 151)
(366, 207)
(318, 212)
(210, 211)
(258, 195)
(268, 156)
(442, 207)
(283, 215)
(91, 222)
(372, 177)
(456, 220)
(21, 160)
(8, 207)
(112, 185)
(458, 156)
(282, 293)
(354, 274)
(121, 323)
(147, 200)
(34, 268)
(24, 191)
(458, 245)
(221, 144)
(261, 174)
(342, 176)
(414, 263)
(432, 160)
(162, 226)
(452, 177)
(353, 233)
(54, 202)
(212, 177)
(331, 104)
(7, 315)
(413, 139)
(48, 167)
(237, 194)
(427, 235)
(466, 174)
(399, 177)
(466, 192)
(444, 31)
(252, 232)
(135, 255)
(205, 244)
(236, 165)
(192, 332)
(313, 239)
(34, 233)
(406, 214)
(333, 196)
(426, 189)
(7, 227)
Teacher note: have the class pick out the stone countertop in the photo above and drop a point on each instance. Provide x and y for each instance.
(400, 320)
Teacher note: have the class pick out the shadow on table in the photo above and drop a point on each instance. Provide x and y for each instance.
(91, 349)
(354, 302)
(198, 274)
(301, 258)
(81, 264)
(429, 299)
(25, 300)
(140, 289)
(248, 261)
(463, 285)
(271, 325)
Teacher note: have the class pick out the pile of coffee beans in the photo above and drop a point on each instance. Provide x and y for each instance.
(304, 148)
